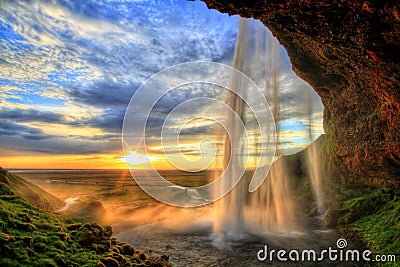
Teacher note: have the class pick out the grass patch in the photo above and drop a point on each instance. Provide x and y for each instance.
(34, 194)
(32, 237)
(374, 218)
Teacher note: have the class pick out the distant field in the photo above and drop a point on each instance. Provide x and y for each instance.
(67, 183)
(115, 189)
(64, 184)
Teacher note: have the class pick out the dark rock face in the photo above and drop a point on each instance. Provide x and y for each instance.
(349, 52)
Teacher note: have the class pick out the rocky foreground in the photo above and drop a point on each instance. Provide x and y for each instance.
(30, 236)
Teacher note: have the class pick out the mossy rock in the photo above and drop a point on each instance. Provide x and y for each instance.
(40, 247)
(93, 233)
(100, 248)
(141, 255)
(159, 261)
(127, 249)
(118, 257)
(30, 236)
(24, 217)
(74, 226)
(60, 260)
(29, 227)
(365, 205)
(5, 238)
(4, 177)
(5, 189)
(27, 240)
(110, 262)
(45, 263)
(59, 245)
(375, 219)
(156, 261)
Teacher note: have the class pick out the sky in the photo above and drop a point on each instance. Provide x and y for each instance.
(68, 70)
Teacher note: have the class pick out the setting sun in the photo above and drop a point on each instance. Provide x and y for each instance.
(136, 158)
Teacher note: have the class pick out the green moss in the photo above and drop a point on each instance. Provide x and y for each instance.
(5, 189)
(381, 230)
(364, 205)
(32, 237)
(371, 116)
(374, 217)
(330, 146)
(45, 262)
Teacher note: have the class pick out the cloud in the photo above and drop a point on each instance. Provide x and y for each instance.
(30, 115)
(104, 93)
(36, 137)
(10, 128)
(69, 69)
(110, 121)
(203, 130)
(59, 145)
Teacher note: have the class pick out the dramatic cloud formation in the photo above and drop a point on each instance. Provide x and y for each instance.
(69, 69)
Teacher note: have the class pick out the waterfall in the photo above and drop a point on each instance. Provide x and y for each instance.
(314, 165)
(228, 211)
(271, 207)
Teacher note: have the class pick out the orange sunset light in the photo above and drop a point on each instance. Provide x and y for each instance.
(93, 161)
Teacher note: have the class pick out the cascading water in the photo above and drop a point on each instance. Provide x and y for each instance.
(271, 207)
(228, 217)
(314, 165)
(274, 208)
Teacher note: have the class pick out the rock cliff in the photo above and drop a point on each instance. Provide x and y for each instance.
(349, 51)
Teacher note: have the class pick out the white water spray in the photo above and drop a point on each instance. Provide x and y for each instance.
(228, 213)
(270, 208)
(314, 165)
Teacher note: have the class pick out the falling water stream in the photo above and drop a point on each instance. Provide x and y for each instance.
(271, 207)
(242, 222)
(228, 211)
(315, 171)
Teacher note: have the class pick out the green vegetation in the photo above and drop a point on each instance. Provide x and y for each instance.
(30, 236)
(32, 193)
(373, 216)
(330, 145)
(372, 116)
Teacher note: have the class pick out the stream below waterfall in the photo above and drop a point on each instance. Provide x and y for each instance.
(242, 226)
(189, 242)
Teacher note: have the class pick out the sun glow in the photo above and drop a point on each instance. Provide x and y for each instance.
(137, 160)
(42, 161)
